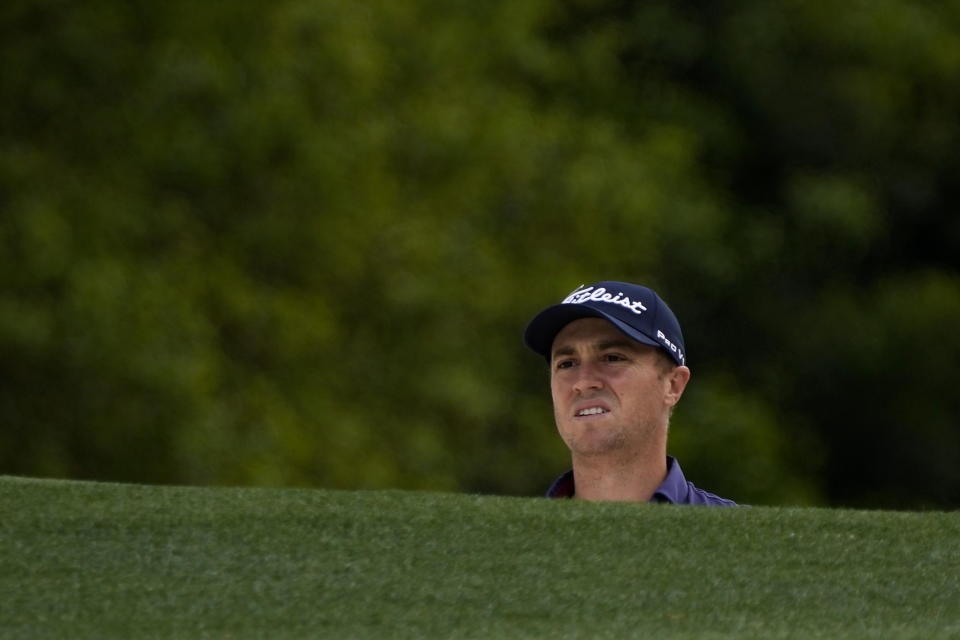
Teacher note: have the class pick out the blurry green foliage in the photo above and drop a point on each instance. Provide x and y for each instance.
(295, 243)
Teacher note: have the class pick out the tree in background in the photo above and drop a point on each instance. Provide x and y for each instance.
(296, 243)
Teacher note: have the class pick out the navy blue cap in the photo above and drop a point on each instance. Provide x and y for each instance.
(636, 311)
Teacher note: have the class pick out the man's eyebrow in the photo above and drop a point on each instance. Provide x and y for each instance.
(564, 350)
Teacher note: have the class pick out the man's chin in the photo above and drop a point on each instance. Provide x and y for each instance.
(593, 442)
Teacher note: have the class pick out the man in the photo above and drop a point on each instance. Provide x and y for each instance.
(617, 369)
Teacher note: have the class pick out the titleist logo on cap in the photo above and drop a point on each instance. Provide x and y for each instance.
(599, 294)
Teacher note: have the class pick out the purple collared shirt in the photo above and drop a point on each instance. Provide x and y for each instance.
(675, 489)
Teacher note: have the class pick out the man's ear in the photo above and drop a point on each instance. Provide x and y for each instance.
(677, 380)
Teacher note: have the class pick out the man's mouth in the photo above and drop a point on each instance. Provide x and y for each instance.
(592, 411)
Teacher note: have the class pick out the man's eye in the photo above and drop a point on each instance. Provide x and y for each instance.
(564, 364)
(613, 357)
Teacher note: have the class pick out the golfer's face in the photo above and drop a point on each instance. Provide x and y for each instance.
(609, 392)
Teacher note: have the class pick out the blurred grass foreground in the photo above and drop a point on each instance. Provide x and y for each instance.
(83, 560)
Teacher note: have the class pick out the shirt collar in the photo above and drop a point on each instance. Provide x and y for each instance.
(673, 489)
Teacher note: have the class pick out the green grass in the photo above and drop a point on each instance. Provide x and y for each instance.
(87, 560)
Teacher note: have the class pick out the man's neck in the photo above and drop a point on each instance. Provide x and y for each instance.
(600, 479)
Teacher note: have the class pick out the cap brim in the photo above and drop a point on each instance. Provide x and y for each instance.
(545, 326)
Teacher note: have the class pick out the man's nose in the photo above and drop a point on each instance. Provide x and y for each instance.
(588, 378)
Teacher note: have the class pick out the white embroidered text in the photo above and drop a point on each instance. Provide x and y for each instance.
(602, 295)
